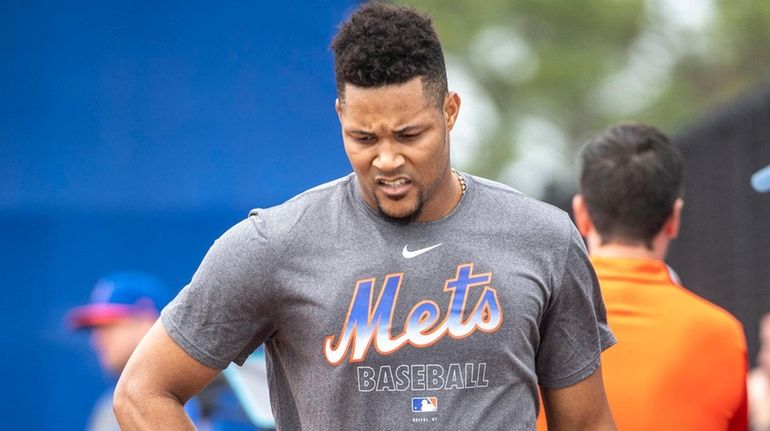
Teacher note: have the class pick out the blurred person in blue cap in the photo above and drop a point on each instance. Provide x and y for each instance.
(123, 307)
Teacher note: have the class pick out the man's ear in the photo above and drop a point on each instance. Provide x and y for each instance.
(580, 212)
(451, 109)
(673, 223)
(338, 108)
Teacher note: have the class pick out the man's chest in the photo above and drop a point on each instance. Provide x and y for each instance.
(358, 310)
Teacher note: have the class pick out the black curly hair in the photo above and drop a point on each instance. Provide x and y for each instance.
(385, 44)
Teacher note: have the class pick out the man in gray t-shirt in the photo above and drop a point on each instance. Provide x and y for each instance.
(404, 296)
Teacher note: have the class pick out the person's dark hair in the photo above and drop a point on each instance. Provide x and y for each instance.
(631, 176)
(384, 44)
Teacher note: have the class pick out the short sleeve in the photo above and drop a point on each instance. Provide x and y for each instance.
(225, 312)
(574, 330)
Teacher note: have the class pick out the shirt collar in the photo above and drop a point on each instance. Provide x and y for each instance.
(653, 271)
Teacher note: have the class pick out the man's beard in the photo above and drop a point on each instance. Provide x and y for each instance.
(406, 219)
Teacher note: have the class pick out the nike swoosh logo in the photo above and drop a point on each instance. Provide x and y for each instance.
(410, 254)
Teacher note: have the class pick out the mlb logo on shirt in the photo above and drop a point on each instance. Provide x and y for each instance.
(424, 404)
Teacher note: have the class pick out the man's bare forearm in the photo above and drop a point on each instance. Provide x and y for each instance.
(158, 379)
(580, 407)
(603, 423)
(137, 411)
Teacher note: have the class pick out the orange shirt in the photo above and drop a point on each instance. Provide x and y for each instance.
(680, 361)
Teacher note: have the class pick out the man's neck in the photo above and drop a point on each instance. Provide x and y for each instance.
(629, 251)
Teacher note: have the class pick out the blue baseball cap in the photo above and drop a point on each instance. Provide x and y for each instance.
(120, 295)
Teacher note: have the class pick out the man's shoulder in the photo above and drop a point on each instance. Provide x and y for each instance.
(310, 208)
(326, 194)
(709, 317)
(506, 203)
(323, 190)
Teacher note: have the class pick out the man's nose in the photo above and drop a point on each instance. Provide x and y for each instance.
(389, 157)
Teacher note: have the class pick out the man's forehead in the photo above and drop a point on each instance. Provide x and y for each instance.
(383, 112)
(413, 89)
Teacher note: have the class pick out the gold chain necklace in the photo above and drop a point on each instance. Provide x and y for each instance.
(460, 178)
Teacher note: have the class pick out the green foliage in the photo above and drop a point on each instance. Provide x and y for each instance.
(587, 64)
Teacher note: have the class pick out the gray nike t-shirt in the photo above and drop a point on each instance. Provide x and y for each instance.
(370, 324)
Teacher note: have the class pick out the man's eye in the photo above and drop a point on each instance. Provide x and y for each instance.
(408, 136)
(364, 139)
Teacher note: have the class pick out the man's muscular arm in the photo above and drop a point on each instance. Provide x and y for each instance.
(158, 380)
(582, 406)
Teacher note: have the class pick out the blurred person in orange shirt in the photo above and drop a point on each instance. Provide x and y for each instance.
(680, 361)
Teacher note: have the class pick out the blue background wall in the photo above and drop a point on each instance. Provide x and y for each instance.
(132, 134)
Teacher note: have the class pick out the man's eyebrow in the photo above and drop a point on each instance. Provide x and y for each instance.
(409, 128)
(360, 132)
